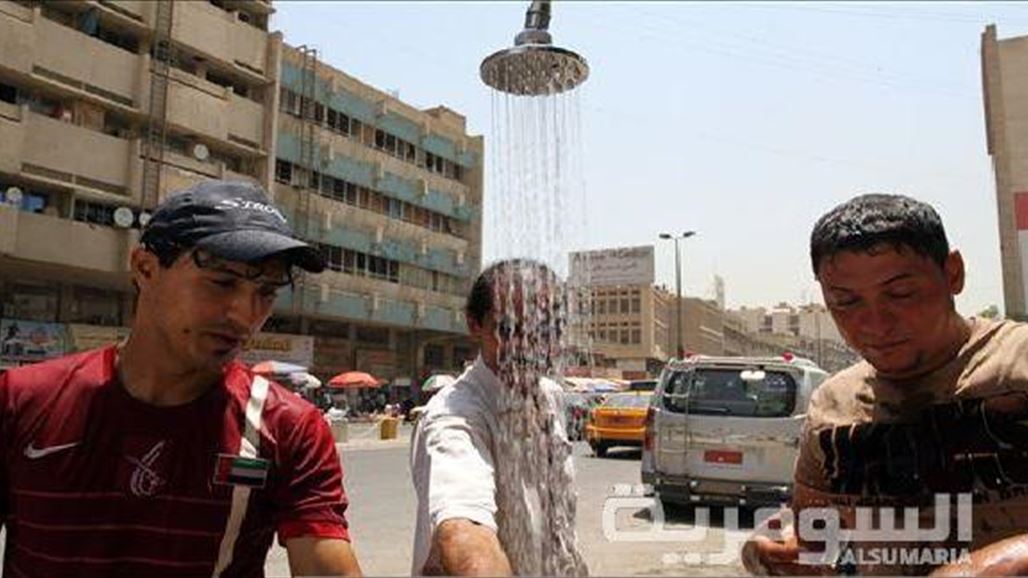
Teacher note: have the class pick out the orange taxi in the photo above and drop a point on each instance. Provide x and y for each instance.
(619, 421)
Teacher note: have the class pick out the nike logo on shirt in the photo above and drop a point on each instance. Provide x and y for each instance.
(34, 453)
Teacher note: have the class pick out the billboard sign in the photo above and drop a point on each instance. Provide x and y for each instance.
(622, 266)
(31, 341)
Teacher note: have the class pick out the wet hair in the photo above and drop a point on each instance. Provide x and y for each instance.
(167, 252)
(480, 299)
(869, 220)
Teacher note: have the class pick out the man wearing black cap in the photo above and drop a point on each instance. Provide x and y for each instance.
(164, 456)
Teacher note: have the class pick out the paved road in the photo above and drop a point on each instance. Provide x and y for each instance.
(383, 505)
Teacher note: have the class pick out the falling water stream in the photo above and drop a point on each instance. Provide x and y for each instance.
(535, 213)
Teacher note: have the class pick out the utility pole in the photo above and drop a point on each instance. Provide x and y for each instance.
(678, 287)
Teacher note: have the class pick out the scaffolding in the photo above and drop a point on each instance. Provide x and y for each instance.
(309, 159)
(161, 61)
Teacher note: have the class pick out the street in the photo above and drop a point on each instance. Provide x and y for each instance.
(382, 510)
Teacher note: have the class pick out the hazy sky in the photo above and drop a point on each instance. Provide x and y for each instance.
(744, 122)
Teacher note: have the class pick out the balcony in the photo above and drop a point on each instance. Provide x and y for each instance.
(62, 242)
(221, 36)
(340, 303)
(216, 114)
(60, 151)
(35, 45)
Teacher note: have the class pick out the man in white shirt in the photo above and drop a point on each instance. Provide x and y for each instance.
(490, 460)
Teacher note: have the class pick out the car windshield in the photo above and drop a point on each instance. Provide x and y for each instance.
(627, 401)
(723, 391)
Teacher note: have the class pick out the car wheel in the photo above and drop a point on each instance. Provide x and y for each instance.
(600, 449)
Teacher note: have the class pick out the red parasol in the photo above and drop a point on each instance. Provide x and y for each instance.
(355, 380)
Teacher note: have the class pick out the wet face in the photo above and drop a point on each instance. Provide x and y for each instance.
(523, 332)
(203, 308)
(895, 307)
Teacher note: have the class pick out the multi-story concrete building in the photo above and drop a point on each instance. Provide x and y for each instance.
(1006, 128)
(106, 107)
(393, 195)
(808, 331)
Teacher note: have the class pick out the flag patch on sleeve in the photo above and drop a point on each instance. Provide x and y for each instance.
(236, 470)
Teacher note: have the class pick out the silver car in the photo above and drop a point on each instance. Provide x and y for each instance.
(727, 429)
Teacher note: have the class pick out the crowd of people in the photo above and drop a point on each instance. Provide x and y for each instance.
(164, 455)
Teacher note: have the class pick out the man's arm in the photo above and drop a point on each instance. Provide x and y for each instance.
(452, 469)
(311, 503)
(469, 549)
(1007, 557)
(321, 557)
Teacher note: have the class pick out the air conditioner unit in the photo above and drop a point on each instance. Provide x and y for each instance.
(379, 234)
(382, 108)
(424, 247)
(379, 171)
(323, 293)
(422, 187)
(420, 313)
(326, 221)
(461, 199)
(375, 302)
(460, 257)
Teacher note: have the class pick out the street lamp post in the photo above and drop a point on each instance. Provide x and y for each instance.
(678, 286)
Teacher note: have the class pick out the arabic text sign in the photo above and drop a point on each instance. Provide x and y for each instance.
(623, 266)
(298, 349)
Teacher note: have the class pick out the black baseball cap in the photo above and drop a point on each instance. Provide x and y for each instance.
(233, 220)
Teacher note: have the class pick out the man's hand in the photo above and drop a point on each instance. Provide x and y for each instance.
(469, 549)
(321, 557)
(764, 556)
(1007, 557)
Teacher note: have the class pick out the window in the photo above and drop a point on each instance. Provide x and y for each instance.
(289, 102)
(636, 336)
(29, 302)
(283, 171)
(731, 392)
(635, 305)
(625, 306)
(380, 139)
(319, 112)
(95, 213)
(435, 355)
(8, 93)
(601, 307)
(624, 337)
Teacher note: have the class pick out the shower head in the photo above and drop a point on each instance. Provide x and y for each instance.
(533, 67)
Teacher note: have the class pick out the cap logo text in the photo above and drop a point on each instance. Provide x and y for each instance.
(239, 203)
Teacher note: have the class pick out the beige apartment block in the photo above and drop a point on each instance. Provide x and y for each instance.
(108, 106)
(88, 91)
(1006, 122)
(393, 194)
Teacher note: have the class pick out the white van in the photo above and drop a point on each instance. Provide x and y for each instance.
(727, 429)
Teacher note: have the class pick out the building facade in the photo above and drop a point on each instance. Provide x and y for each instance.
(105, 107)
(108, 106)
(393, 195)
(1006, 127)
(808, 331)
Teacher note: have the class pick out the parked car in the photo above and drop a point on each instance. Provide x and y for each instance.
(727, 429)
(619, 421)
(577, 406)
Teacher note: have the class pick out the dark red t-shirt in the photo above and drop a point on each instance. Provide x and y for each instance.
(97, 483)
